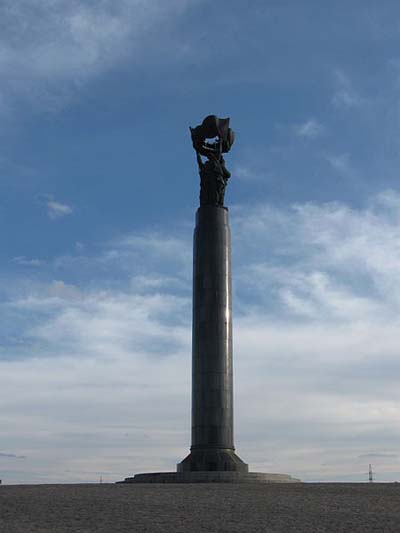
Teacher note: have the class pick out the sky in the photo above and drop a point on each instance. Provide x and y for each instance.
(98, 193)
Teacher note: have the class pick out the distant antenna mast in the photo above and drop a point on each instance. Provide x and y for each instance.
(370, 474)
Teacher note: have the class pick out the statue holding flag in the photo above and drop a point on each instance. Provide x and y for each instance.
(213, 173)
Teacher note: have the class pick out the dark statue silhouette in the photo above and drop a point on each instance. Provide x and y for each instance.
(213, 173)
(212, 457)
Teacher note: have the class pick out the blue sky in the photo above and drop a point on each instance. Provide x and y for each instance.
(99, 188)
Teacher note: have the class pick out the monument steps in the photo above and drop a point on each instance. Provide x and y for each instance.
(210, 477)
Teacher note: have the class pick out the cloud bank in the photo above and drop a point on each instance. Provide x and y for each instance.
(103, 373)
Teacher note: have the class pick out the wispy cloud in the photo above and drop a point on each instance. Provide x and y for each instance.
(325, 243)
(245, 173)
(345, 95)
(58, 210)
(50, 49)
(341, 164)
(309, 129)
(21, 260)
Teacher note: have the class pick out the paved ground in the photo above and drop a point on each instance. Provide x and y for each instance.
(200, 508)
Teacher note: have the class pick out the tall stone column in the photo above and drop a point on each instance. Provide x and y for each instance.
(212, 446)
(212, 455)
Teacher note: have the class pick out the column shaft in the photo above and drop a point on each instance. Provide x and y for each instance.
(212, 381)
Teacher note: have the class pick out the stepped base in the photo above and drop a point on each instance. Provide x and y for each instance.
(210, 477)
(212, 459)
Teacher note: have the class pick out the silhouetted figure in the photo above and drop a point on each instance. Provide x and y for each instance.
(213, 180)
(213, 173)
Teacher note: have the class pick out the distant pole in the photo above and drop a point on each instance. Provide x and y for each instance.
(370, 474)
(101, 479)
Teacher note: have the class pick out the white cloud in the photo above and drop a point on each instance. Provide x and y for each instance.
(245, 173)
(309, 129)
(110, 351)
(48, 50)
(59, 289)
(57, 210)
(103, 374)
(317, 245)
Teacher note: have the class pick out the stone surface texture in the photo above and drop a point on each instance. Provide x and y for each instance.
(201, 508)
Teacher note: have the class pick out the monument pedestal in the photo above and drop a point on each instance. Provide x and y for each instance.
(210, 477)
(212, 460)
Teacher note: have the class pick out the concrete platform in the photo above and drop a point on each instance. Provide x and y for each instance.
(210, 477)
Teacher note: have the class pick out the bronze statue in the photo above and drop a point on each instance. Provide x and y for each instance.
(213, 173)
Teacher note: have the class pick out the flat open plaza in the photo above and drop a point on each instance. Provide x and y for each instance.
(319, 507)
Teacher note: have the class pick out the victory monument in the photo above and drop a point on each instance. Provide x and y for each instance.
(212, 455)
